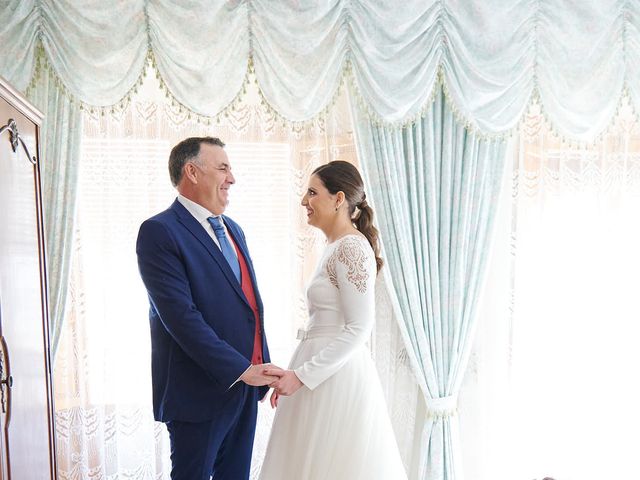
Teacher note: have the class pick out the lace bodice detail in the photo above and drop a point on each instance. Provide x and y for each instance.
(354, 256)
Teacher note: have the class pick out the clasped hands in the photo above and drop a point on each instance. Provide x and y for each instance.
(283, 382)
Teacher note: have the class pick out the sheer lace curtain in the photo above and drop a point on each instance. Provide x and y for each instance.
(552, 388)
(104, 419)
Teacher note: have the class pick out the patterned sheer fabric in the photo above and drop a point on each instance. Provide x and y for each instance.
(553, 366)
(102, 378)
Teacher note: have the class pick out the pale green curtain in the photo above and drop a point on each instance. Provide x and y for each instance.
(59, 153)
(434, 185)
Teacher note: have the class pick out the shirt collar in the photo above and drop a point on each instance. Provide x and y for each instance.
(198, 211)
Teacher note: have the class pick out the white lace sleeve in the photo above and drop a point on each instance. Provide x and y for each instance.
(353, 258)
(352, 270)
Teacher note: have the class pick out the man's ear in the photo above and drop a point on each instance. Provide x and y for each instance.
(190, 173)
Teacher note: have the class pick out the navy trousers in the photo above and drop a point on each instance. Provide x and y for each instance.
(220, 448)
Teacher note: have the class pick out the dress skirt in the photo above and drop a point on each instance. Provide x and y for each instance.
(338, 431)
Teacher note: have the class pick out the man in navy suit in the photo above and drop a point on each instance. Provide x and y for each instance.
(209, 351)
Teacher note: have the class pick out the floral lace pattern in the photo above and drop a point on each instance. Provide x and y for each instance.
(351, 254)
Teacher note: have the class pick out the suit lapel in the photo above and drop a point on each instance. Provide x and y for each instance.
(191, 224)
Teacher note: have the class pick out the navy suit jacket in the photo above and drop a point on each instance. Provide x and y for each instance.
(202, 327)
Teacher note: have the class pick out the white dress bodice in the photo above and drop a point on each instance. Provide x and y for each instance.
(341, 304)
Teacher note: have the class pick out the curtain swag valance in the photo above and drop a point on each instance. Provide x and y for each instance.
(493, 57)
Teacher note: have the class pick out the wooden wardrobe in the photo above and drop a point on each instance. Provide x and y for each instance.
(27, 448)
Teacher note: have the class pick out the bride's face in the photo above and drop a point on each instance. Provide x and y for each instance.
(319, 203)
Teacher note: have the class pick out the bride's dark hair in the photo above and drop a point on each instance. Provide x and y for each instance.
(340, 176)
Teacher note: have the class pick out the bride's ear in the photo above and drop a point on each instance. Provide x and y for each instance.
(339, 199)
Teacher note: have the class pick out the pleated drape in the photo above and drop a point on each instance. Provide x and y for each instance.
(435, 185)
(60, 154)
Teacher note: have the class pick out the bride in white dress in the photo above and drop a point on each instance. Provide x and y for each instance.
(331, 421)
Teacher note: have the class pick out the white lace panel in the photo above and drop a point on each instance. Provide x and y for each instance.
(351, 253)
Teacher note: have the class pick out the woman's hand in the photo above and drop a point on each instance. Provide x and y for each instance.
(287, 384)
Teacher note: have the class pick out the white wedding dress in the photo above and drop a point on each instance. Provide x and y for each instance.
(336, 427)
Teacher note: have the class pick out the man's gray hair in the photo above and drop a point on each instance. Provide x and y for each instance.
(188, 150)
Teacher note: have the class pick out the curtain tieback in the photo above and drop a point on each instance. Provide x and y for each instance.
(442, 407)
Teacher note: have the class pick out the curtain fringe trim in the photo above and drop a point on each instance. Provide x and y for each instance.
(347, 77)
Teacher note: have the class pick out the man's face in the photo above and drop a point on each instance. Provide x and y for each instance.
(214, 178)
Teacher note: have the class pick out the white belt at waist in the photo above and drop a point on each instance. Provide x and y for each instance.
(318, 331)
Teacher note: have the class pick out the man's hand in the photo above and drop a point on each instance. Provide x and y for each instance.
(256, 376)
(288, 382)
(274, 398)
